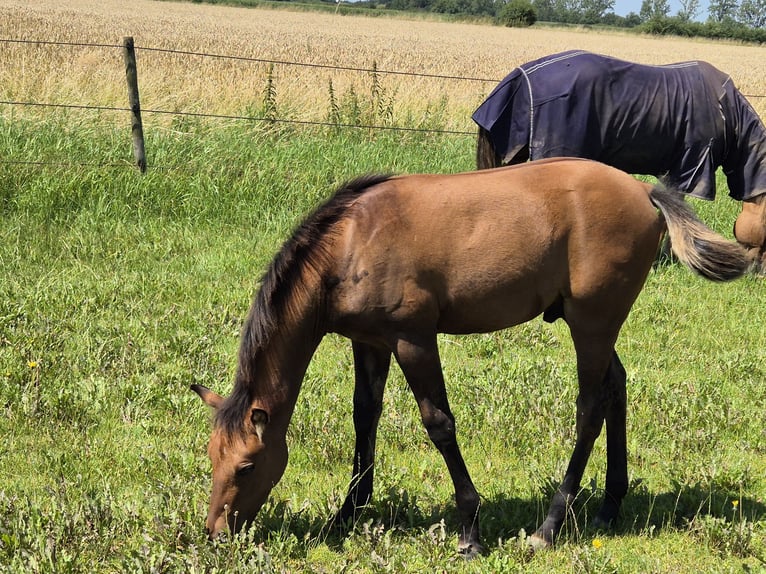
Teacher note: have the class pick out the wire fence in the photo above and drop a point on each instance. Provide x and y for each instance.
(237, 117)
(233, 117)
(271, 119)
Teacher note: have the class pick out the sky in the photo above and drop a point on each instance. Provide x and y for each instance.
(624, 7)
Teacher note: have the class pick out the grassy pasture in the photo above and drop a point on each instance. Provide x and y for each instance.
(118, 290)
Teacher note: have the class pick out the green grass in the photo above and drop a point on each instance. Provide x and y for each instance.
(117, 291)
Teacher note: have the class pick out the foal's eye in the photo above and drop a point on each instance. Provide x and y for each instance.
(245, 469)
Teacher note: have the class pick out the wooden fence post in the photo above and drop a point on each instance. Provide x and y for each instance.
(137, 129)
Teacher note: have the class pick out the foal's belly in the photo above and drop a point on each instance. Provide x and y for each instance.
(482, 316)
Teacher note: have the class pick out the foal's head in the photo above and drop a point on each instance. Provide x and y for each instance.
(246, 465)
(247, 447)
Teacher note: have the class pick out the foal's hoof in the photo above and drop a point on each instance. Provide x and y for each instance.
(470, 551)
(536, 543)
(344, 521)
(601, 524)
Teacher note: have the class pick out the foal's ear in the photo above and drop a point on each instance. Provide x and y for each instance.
(259, 419)
(210, 398)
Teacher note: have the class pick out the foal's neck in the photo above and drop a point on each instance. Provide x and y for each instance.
(278, 368)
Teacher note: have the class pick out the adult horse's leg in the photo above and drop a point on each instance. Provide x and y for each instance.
(419, 359)
(371, 366)
(594, 357)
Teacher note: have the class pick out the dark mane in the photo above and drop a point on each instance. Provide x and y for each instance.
(280, 284)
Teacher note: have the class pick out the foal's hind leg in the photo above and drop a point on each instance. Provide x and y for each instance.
(419, 360)
(615, 399)
(594, 357)
(371, 366)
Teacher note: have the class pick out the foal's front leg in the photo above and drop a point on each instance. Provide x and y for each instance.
(419, 359)
(371, 366)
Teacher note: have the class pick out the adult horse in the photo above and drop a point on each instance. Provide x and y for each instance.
(389, 262)
(679, 121)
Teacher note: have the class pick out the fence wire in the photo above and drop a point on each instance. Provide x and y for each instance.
(359, 70)
(236, 117)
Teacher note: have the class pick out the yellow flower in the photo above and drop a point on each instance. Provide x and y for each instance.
(735, 503)
(597, 543)
(32, 364)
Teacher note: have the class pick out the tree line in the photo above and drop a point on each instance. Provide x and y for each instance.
(726, 19)
(736, 19)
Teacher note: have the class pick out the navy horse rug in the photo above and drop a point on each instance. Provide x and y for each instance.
(678, 121)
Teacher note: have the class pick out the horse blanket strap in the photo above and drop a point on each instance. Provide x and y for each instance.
(678, 121)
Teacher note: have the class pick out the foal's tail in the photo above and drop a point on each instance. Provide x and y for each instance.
(696, 245)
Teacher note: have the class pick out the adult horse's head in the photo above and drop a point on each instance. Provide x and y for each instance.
(248, 459)
(750, 230)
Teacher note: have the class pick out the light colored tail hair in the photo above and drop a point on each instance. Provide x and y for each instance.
(696, 245)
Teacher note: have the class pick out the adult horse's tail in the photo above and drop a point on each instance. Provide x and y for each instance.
(696, 245)
(486, 157)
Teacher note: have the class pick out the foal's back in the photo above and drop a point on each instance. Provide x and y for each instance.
(482, 251)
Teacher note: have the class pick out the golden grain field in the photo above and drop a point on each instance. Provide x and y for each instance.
(181, 82)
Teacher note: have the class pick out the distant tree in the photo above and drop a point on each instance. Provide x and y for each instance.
(578, 11)
(722, 10)
(517, 13)
(654, 9)
(409, 4)
(566, 11)
(484, 7)
(472, 7)
(448, 6)
(753, 13)
(630, 21)
(545, 10)
(593, 11)
(690, 9)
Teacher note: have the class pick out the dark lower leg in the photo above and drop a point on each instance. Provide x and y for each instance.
(419, 359)
(590, 419)
(371, 370)
(441, 430)
(616, 444)
(562, 501)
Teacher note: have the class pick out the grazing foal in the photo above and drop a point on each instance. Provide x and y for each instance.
(389, 262)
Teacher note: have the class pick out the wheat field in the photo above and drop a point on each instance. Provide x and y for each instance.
(182, 82)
